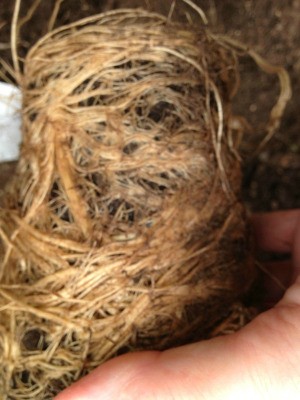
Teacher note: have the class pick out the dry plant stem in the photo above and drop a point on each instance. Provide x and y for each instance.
(54, 14)
(198, 10)
(279, 284)
(171, 11)
(14, 40)
(2, 24)
(284, 81)
(7, 68)
(28, 15)
(123, 228)
(68, 176)
(4, 46)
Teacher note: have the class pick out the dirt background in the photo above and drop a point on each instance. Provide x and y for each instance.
(271, 27)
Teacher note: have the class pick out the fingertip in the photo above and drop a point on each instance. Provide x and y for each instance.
(275, 231)
(296, 250)
(112, 379)
(291, 298)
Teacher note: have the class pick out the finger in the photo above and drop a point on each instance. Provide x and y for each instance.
(296, 252)
(261, 361)
(276, 231)
(111, 380)
(197, 371)
(255, 363)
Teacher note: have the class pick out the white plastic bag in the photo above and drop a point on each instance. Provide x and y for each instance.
(10, 122)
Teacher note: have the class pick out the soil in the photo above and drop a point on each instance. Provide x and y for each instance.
(271, 27)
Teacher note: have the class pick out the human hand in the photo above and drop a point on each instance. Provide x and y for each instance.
(260, 362)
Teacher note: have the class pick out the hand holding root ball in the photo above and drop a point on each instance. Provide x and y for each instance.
(262, 361)
(123, 227)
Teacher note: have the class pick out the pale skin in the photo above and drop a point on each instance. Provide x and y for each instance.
(261, 361)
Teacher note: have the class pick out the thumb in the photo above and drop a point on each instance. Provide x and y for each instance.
(261, 361)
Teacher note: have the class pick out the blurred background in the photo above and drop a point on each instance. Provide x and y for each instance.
(271, 27)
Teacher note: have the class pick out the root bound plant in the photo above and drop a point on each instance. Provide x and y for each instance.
(123, 227)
